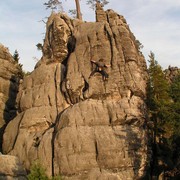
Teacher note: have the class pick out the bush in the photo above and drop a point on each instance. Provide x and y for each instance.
(56, 178)
(37, 172)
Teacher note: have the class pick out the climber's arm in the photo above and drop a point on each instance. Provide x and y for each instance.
(93, 61)
(107, 65)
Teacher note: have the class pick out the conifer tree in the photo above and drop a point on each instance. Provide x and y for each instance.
(54, 5)
(92, 3)
(175, 107)
(16, 56)
(57, 5)
(20, 66)
(159, 102)
(158, 99)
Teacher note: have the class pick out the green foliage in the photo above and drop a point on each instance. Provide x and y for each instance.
(16, 56)
(175, 87)
(92, 3)
(73, 12)
(54, 5)
(138, 45)
(163, 100)
(175, 107)
(57, 5)
(56, 178)
(26, 73)
(158, 83)
(20, 66)
(158, 97)
(39, 46)
(37, 172)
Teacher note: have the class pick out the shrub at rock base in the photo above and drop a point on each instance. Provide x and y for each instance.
(37, 172)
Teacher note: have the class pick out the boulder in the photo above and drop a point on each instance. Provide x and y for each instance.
(171, 73)
(11, 168)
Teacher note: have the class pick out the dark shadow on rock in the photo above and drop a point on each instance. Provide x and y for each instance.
(3, 176)
(10, 110)
(134, 145)
(19, 172)
(58, 118)
(86, 86)
(71, 44)
(1, 135)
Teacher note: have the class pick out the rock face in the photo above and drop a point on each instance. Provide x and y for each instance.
(79, 126)
(171, 73)
(8, 88)
(11, 168)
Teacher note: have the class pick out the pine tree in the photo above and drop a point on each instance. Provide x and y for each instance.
(174, 120)
(16, 56)
(175, 107)
(57, 5)
(54, 5)
(20, 66)
(92, 3)
(158, 99)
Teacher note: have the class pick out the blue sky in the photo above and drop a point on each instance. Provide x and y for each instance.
(155, 23)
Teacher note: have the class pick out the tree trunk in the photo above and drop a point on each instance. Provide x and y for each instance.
(79, 15)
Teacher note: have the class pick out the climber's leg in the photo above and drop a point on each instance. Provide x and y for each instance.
(104, 75)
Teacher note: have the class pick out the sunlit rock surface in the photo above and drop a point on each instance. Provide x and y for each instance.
(79, 126)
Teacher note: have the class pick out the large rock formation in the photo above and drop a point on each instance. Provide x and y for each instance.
(9, 71)
(81, 127)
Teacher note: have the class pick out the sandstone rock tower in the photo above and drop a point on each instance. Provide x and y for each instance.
(9, 81)
(81, 127)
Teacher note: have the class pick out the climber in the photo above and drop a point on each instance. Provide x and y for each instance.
(100, 67)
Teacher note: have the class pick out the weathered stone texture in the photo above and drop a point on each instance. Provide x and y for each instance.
(94, 135)
(80, 126)
(40, 101)
(8, 88)
(11, 168)
(171, 73)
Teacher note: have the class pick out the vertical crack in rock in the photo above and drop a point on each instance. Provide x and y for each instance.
(57, 117)
(97, 153)
(85, 88)
(49, 99)
(50, 35)
(52, 145)
(56, 88)
(110, 38)
(110, 121)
